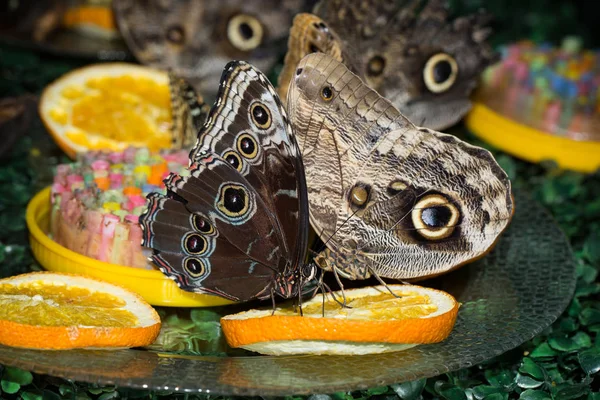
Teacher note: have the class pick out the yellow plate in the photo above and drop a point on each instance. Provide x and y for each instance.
(153, 286)
(531, 144)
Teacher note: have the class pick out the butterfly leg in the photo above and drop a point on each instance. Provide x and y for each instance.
(273, 301)
(383, 283)
(339, 281)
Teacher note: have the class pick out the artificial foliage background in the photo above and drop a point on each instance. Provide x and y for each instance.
(561, 363)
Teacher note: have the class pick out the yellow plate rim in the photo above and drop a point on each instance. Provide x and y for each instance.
(184, 299)
(531, 144)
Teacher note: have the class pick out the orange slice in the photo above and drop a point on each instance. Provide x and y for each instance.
(108, 106)
(46, 310)
(377, 322)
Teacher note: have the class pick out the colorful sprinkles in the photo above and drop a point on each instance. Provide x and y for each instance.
(96, 201)
(556, 90)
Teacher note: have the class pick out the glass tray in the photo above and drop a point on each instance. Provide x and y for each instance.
(507, 297)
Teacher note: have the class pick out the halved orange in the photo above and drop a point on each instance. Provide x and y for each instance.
(47, 310)
(108, 106)
(377, 322)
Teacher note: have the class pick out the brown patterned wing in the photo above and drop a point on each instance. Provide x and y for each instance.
(411, 52)
(388, 197)
(237, 224)
(195, 39)
(188, 112)
(308, 34)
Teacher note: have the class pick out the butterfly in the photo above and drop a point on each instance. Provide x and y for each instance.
(409, 51)
(237, 224)
(389, 199)
(188, 112)
(195, 39)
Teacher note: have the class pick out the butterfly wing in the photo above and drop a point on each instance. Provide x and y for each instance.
(409, 51)
(308, 34)
(195, 39)
(188, 112)
(388, 197)
(254, 211)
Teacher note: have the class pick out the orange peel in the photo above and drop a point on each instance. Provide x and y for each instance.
(46, 310)
(376, 323)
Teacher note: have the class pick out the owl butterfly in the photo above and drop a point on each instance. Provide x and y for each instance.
(388, 198)
(195, 39)
(410, 52)
(237, 224)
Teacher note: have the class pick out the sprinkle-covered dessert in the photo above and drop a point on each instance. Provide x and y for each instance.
(554, 90)
(96, 202)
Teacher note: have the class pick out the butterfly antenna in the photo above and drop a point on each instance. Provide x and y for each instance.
(300, 297)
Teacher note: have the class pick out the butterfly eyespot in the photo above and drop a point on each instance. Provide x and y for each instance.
(247, 146)
(195, 244)
(233, 200)
(375, 66)
(359, 195)
(440, 72)
(435, 217)
(196, 268)
(261, 115)
(175, 34)
(202, 225)
(326, 93)
(232, 158)
(396, 187)
(244, 32)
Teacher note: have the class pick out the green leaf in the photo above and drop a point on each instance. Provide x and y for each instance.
(586, 273)
(589, 316)
(409, 390)
(31, 396)
(49, 395)
(484, 391)
(567, 324)
(531, 394)
(17, 375)
(563, 344)
(65, 390)
(530, 368)
(109, 395)
(10, 387)
(583, 340)
(496, 396)
(591, 247)
(568, 391)
(543, 350)
(501, 378)
(527, 382)
(204, 315)
(95, 390)
(590, 360)
(377, 390)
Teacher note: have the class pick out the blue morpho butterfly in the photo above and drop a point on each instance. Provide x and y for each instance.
(237, 225)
